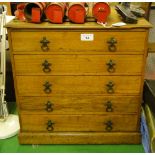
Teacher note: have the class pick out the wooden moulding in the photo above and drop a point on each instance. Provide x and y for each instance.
(80, 138)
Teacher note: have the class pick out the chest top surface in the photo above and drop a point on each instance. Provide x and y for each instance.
(113, 18)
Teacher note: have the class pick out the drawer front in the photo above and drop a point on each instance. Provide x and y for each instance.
(78, 64)
(49, 85)
(79, 104)
(55, 42)
(50, 123)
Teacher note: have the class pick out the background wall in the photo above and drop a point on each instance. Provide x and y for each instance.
(150, 65)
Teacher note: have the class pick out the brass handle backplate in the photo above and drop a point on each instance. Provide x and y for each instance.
(109, 107)
(111, 66)
(50, 126)
(49, 106)
(46, 66)
(112, 44)
(109, 126)
(44, 44)
(47, 87)
(110, 87)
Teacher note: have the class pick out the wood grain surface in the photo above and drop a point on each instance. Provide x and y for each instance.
(78, 81)
(79, 104)
(34, 85)
(38, 123)
(80, 138)
(78, 64)
(60, 41)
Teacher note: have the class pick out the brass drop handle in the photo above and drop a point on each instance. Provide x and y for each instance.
(112, 44)
(111, 66)
(46, 66)
(109, 126)
(50, 126)
(49, 106)
(110, 87)
(44, 44)
(47, 87)
(109, 107)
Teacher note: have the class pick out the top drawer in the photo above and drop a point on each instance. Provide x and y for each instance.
(64, 41)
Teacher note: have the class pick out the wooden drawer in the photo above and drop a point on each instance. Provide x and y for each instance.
(79, 104)
(49, 85)
(78, 64)
(43, 123)
(63, 41)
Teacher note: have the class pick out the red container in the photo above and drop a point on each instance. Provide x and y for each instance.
(77, 12)
(101, 11)
(34, 11)
(19, 13)
(55, 12)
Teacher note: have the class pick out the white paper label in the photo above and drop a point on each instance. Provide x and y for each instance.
(87, 37)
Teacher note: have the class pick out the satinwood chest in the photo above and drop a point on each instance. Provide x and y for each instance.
(78, 84)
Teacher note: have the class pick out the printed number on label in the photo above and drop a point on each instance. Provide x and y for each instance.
(87, 37)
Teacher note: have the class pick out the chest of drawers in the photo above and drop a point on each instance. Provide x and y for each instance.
(71, 91)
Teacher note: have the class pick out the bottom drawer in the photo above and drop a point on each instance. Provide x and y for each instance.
(105, 123)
